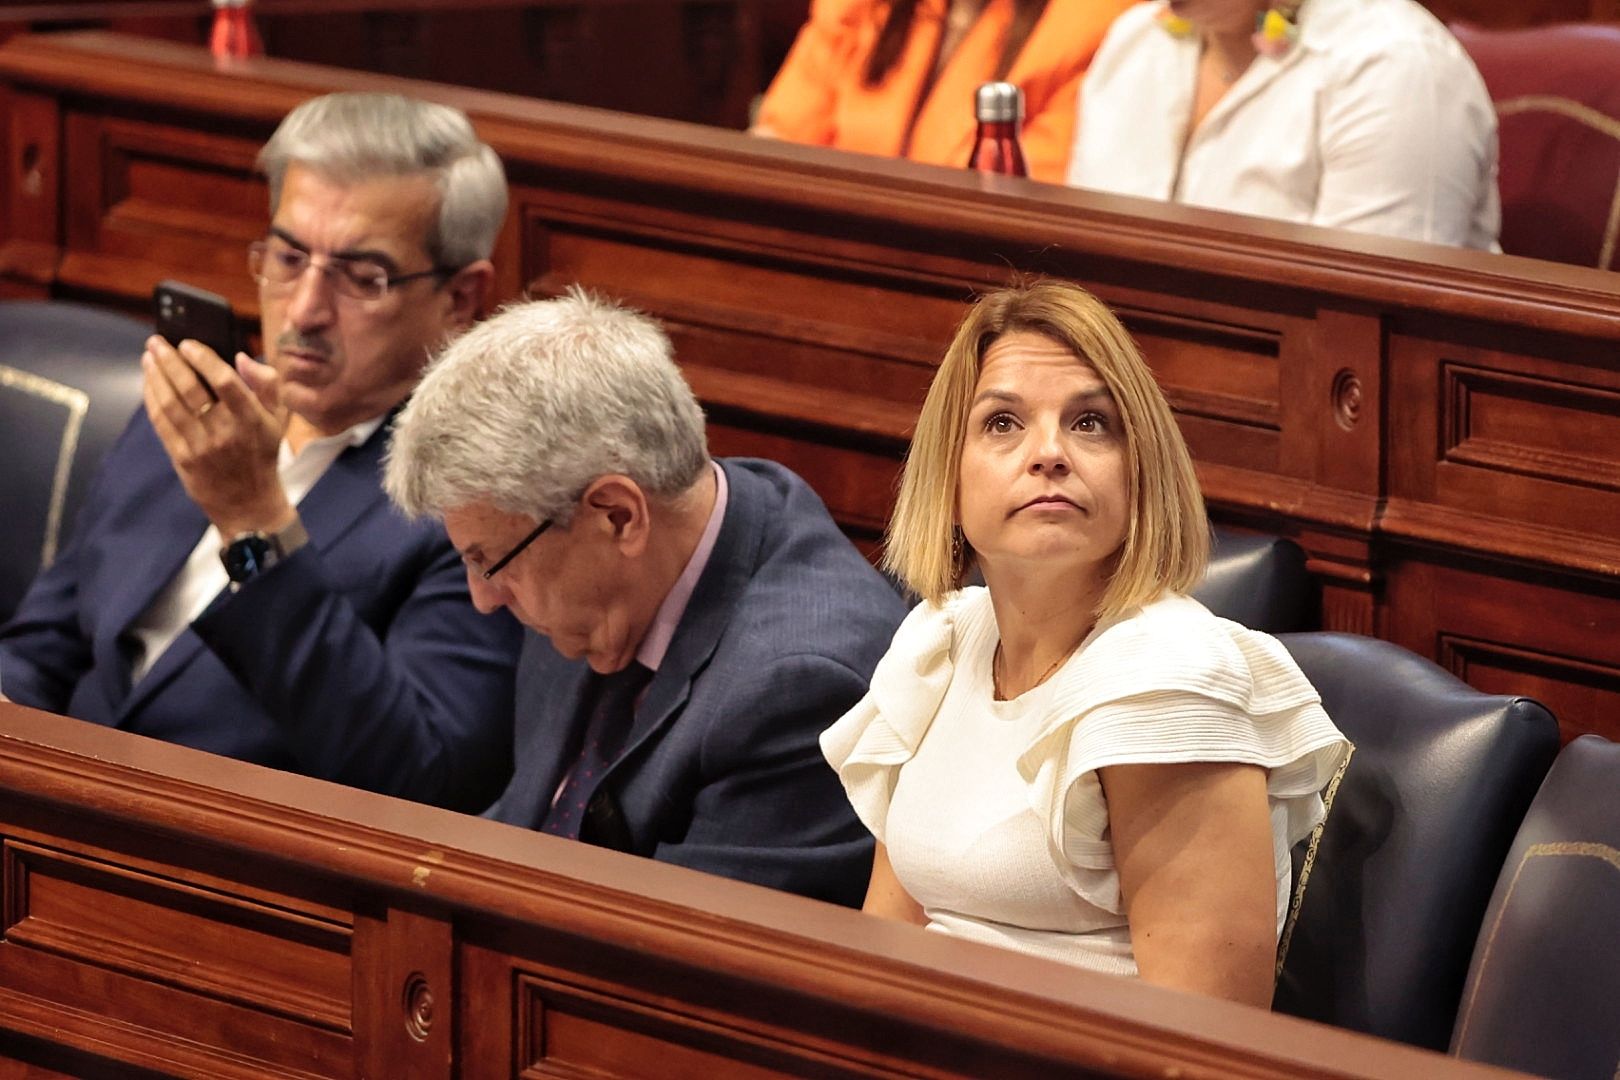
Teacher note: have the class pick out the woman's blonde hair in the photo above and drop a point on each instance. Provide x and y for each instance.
(1166, 544)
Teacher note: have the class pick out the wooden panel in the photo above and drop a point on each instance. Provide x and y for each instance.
(33, 173)
(199, 940)
(1534, 427)
(565, 1028)
(123, 217)
(1517, 633)
(1515, 453)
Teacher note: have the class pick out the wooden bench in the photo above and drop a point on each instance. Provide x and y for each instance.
(168, 913)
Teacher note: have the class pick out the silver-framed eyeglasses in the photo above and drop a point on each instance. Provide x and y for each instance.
(275, 262)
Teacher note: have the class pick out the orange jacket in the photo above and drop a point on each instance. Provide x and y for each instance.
(818, 96)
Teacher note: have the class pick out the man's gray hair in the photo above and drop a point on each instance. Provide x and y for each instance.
(353, 137)
(523, 411)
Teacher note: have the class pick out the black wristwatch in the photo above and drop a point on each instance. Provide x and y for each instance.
(250, 554)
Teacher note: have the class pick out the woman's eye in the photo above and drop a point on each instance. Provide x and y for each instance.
(1091, 421)
(1000, 423)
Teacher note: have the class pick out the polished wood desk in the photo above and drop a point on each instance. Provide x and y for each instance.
(1438, 428)
(168, 913)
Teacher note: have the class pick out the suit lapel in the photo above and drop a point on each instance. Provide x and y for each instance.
(347, 489)
(730, 567)
(175, 659)
(170, 527)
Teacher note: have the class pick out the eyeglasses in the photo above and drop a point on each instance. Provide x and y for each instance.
(500, 564)
(275, 262)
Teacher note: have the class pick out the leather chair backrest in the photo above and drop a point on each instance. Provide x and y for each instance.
(70, 378)
(1545, 980)
(1260, 581)
(1557, 95)
(1390, 901)
(1253, 578)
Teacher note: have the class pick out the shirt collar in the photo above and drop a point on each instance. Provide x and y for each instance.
(662, 631)
(343, 440)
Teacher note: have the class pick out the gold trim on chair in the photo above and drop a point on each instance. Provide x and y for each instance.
(77, 404)
(1584, 114)
(1310, 860)
(1602, 852)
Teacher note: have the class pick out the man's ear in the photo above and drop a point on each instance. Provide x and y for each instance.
(469, 290)
(620, 504)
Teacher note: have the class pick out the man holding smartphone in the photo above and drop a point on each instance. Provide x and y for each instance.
(237, 581)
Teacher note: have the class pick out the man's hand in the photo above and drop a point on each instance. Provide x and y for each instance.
(221, 436)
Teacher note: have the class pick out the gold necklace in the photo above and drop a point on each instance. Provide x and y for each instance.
(995, 670)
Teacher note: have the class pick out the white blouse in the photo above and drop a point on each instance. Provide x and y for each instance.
(1374, 120)
(992, 812)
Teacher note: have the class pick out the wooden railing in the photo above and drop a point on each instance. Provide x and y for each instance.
(1436, 427)
(168, 913)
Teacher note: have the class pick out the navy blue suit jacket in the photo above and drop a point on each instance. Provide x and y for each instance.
(360, 659)
(722, 770)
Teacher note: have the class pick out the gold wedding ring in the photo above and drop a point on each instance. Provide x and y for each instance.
(202, 412)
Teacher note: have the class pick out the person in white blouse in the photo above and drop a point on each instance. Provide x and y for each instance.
(1357, 114)
(1076, 760)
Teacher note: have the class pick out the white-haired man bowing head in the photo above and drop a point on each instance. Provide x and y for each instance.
(696, 622)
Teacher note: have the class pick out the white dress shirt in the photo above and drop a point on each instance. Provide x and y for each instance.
(1374, 120)
(203, 575)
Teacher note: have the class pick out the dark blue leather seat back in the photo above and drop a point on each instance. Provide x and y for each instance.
(1416, 833)
(70, 377)
(1545, 977)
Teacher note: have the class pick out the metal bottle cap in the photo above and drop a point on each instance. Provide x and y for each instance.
(996, 102)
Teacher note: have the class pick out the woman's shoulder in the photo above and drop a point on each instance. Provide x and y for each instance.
(1133, 47)
(1177, 644)
(935, 628)
(1349, 33)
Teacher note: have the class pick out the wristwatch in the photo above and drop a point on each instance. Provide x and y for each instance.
(250, 554)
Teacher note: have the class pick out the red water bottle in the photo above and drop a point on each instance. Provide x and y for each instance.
(234, 37)
(996, 149)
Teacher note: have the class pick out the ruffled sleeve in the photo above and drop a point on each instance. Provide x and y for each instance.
(1174, 684)
(871, 741)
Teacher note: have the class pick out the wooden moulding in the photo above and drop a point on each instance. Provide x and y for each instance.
(567, 954)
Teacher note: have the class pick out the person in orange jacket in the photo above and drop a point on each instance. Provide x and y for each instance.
(896, 77)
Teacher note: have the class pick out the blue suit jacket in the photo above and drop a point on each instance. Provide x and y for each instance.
(722, 770)
(360, 659)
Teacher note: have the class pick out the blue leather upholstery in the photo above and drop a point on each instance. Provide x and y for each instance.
(1259, 581)
(1542, 989)
(70, 377)
(1414, 839)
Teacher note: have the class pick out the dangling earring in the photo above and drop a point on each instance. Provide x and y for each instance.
(1275, 30)
(1175, 25)
(956, 550)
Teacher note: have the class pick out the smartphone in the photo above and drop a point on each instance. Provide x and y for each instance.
(184, 311)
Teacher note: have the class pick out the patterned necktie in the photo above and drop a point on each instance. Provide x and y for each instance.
(612, 714)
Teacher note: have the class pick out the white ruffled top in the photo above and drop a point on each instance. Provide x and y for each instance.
(991, 811)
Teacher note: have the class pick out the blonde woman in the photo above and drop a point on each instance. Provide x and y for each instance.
(1076, 760)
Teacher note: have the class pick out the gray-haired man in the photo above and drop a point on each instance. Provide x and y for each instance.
(698, 623)
(238, 581)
